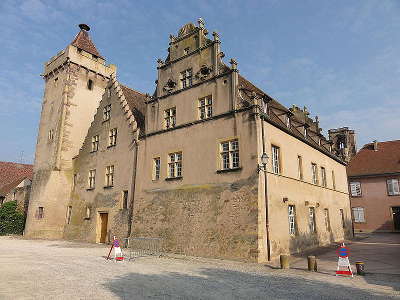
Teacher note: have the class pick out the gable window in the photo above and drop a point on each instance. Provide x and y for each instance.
(90, 84)
(124, 199)
(323, 176)
(40, 212)
(314, 173)
(393, 187)
(156, 168)
(112, 137)
(92, 179)
(69, 213)
(95, 143)
(175, 165)
(276, 168)
(299, 167)
(311, 219)
(186, 78)
(107, 112)
(355, 189)
(109, 176)
(327, 222)
(292, 219)
(229, 154)
(205, 107)
(358, 214)
(170, 118)
(333, 180)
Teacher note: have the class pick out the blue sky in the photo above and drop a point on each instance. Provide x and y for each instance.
(341, 59)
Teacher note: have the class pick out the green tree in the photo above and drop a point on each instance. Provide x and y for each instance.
(12, 221)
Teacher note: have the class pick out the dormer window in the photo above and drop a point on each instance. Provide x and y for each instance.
(90, 84)
(305, 131)
(187, 78)
(287, 121)
(109, 92)
(186, 51)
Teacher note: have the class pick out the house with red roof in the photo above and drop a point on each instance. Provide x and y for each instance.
(374, 175)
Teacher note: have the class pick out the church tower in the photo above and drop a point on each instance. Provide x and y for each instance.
(343, 142)
(75, 80)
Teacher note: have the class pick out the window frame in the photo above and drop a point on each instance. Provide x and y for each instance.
(312, 224)
(358, 209)
(393, 192)
(333, 180)
(40, 212)
(69, 215)
(323, 177)
(327, 220)
(314, 173)
(107, 112)
(92, 179)
(156, 168)
(186, 78)
(351, 184)
(124, 199)
(112, 137)
(300, 175)
(90, 84)
(175, 165)
(170, 118)
(341, 211)
(276, 159)
(292, 220)
(109, 176)
(229, 157)
(205, 109)
(95, 143)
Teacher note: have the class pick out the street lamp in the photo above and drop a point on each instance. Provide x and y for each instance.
(264, 161)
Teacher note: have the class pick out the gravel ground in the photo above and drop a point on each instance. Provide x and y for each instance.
(37, 269)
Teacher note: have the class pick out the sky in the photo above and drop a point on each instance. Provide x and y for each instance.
(340, 59)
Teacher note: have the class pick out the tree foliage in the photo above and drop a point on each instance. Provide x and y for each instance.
(12, 221)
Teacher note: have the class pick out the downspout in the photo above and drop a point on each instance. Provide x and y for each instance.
(133, 185)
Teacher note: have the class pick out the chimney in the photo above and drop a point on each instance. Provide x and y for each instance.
(375, 145)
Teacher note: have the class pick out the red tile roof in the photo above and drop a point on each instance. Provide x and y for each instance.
(136, 102)
(11, 174)
(367, 161)
(83, 41)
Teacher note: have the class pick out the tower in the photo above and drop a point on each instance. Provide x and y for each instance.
(74, 82)
(343, 142)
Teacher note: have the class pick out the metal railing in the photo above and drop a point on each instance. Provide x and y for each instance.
(145, 246)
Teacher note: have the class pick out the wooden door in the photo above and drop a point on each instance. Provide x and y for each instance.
(396, 217)
(103, 227)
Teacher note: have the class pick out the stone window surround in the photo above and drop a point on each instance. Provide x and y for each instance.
(229, 154)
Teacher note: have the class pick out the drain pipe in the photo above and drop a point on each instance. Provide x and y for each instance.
(266, 195)
(133, 185)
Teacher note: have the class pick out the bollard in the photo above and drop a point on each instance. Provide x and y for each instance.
(312, 263)
(284, 261)
(360, 268)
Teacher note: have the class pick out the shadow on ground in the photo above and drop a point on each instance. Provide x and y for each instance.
(229, 284)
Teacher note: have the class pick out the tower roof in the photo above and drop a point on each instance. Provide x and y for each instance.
(84, 42)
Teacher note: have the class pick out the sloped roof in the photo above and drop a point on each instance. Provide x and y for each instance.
(84, 42)
(136, 102)
(11, 174)
(367, 161)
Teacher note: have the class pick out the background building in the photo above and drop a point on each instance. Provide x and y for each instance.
(374, 175)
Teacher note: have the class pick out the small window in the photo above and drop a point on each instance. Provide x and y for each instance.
(287, 121)
(186, 78)
(342, 217)
(92, 179)
(125, 200)
(75, 180)
(95, 143)
(305, 131)
(69, 213)
(205, 107)
(292, 219)
(88, 211)
(90, 84)
(175, 165)
(314, 173)
(265, 106)
(333, 180)
(355, 189)
(156, 168)
(51, 134)
(327, 221)
(323, 176)
(393, 187)
(107, 112)
(299, 167)
(108, 92)
(276, 167)
(109, 180)
(358, 214)
(170, 118)
(186, 51)
(112, 137)
(229, 154)
(40, 212)
(311, 219)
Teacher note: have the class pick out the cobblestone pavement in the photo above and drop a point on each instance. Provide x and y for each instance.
(38, 269)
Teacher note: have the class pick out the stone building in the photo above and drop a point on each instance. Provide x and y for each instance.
(343, 143)
(210, 163)
(374, 175)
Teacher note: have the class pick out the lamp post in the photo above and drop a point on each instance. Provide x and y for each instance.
(264, 161)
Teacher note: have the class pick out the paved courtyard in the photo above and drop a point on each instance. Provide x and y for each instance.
(68, 270)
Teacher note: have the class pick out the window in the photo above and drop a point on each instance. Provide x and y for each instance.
(186, 51)
(229, 154)
(323, 176)
(75, 180)
(109, 92)
(186, 78)
(333, 180)
(51, 134)
(314, 173)
(107, 112)
(327, 222)
(156, 168)
(265, 106)
(342, 216)
(40, 212)
(287, 121)
(95, 143)
(109, 176)
(90, 84)
(355, 189)
(175, 165)
(305, 131)
(92, 179)
(292, 220)
(88, 211)
(276, 168)
(124, 199)
(69, 213)
(393, 187)
(358, 214)
(170, 118)
(299, 167)
(112, 137)
(205, 107)
(311, 219)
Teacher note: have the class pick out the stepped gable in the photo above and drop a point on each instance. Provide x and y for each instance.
(11, 174)
(136, 103)
(84, 42)
(368, 161)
